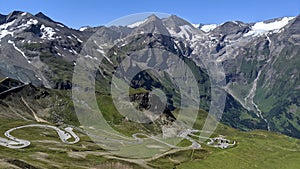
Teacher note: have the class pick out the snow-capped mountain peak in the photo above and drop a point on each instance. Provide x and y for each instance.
(208, 28)
(261, 28)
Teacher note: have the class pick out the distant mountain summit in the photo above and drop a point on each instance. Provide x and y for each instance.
(43, 16)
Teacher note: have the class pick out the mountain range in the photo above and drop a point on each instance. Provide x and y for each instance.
(261, 63)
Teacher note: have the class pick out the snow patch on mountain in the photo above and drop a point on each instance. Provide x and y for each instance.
(48, 32)
(79, 40)
(6, 25)
(19, 50)
(4, 33)
(83, 28)
(196, 25)
(261, 28)
(3, 29)
(208, 28)
(28, 24)
(60, 25)
(136, 24)
(32, 22)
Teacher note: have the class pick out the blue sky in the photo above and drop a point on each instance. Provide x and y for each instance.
(75, 13)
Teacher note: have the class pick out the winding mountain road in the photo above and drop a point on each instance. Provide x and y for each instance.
(16, 143)
(67, 133)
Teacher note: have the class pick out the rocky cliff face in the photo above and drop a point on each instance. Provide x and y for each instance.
(260, 61)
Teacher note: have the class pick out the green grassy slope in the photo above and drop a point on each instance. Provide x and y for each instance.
(256, 149)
